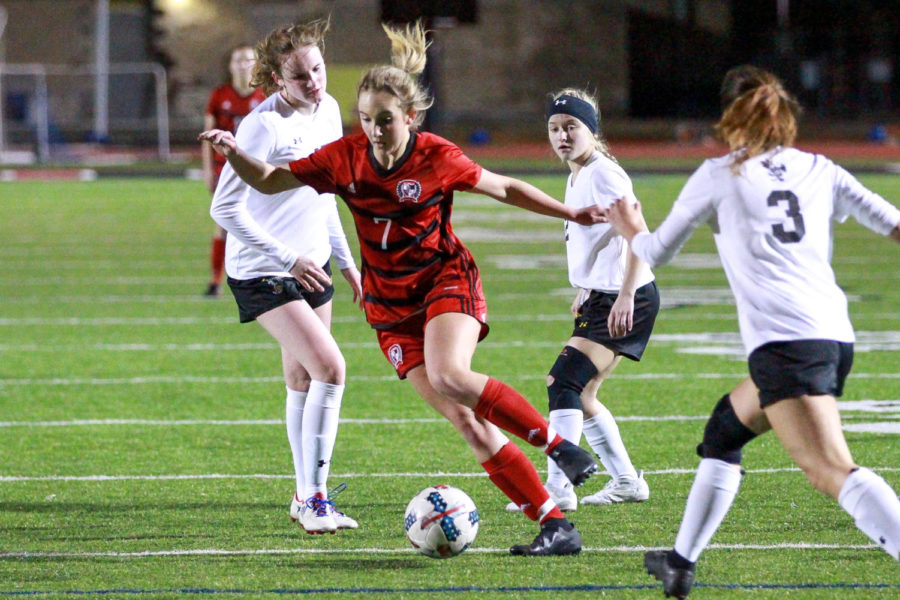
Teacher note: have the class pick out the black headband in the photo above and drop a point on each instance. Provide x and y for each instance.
(576, 107)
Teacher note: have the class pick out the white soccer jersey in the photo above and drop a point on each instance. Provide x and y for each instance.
(596, 255)
(772, 224)
(268, 232)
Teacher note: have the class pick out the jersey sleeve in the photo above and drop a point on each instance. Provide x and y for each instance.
(456, 170)
(229, 203)
(340, 249)
(851, 198)
(694, 206)
(319, 169)
(608, 185)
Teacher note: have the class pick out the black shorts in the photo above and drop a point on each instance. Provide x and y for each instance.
(591, 322)
(261, 294)
(801, 367)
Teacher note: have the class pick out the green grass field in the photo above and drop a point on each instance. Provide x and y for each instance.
(142, 446)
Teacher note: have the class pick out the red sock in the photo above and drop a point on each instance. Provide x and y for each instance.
(217, 259)
(509, 410)
(512, 472)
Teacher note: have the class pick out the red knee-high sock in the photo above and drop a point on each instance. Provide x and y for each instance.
(217, 259)
(509, 410)
(513, 473)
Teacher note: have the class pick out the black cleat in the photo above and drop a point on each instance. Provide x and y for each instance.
(212, 291)
(574, 461)
(553, 540)
(676, 581)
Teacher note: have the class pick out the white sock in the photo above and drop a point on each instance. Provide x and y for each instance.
(602, 435)
(320, 425)
(874, 506)
(567, 423)
(294, 419)
(715, 486)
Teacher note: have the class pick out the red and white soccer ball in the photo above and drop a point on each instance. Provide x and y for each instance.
(441, 521)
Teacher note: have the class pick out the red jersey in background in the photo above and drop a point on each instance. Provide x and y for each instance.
(228, 107)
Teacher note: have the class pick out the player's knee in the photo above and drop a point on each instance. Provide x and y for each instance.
(570, 373)
(725, 435)
(452, 383)
(331, 371)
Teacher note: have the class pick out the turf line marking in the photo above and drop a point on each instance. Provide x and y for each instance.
(280, 422)
(193, 592)
(155, 379)
(434, 475)
(321, 551)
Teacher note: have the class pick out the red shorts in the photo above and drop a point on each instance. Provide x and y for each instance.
(404, 344)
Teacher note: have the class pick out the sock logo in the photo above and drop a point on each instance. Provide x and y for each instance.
(532, 433)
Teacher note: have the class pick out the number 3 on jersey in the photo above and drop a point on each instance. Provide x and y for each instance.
(792, 210)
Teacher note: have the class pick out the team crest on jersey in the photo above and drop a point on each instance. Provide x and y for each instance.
(409, 190)
(395, 355)
(776, 171)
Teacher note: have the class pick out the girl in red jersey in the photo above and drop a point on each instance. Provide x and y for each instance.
(422, 290)
(227, 105)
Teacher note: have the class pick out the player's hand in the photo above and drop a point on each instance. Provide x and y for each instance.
(310, 275)
(222, 141)
(621, 316)
(626, 218)
(590, 215)
(352, 277)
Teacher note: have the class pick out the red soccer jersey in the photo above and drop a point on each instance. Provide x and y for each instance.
(409, 251)
(228, 107)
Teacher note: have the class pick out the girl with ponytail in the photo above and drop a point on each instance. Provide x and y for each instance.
(422, 291)
(772, 208)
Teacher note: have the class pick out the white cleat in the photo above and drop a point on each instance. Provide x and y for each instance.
(626, 489)
(564, 497)
(341, 520)
(316, 515)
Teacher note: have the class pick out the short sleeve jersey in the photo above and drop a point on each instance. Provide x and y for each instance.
(402, 217)
(596, 255)
(772, 224)
(228, 107)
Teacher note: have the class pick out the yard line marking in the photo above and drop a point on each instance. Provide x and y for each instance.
(235, 422)
(495, 317)
(320, 551)
(155, 379)
(695, 342)
(433, 475)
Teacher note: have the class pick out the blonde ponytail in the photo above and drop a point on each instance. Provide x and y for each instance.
(409, 45)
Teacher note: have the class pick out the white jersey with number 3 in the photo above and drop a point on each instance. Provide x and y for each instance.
(772, 224)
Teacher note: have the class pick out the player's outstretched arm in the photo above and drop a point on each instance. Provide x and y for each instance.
(895, 233)
(260, 175)
(524, 195)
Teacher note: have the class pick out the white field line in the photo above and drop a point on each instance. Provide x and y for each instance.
(175, 321)
(279, 422)
(158, 379)
(434, 475)
(345, 551)
(873, 339)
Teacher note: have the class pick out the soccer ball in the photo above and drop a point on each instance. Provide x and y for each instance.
(441, 521)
